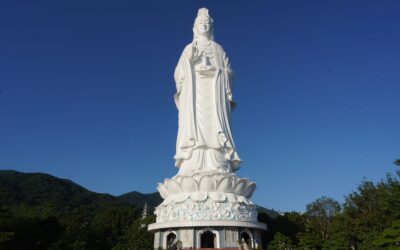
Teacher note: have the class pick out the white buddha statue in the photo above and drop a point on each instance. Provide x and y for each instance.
(204, 99)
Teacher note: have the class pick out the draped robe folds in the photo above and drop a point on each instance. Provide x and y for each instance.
(219, 135)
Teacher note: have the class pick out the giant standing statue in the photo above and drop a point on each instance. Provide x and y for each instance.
(206, 205)
(204, 99)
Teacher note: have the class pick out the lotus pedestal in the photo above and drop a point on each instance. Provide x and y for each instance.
(206, 209)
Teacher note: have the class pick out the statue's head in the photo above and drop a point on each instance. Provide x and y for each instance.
(203, 24)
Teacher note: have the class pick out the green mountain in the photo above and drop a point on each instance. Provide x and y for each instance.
(270, 212)
(139, 199)
(58, 196)
(40, 211)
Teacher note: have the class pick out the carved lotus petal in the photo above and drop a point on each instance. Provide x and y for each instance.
(208, 184)
(162, 190)
(242, 199)
(217, 196)
(180, 197)
(172, 187)
(225, 185)
(198, 196)
(178, 178)
(189, 185)
(240, 187)
(248, 192)
(231, 197)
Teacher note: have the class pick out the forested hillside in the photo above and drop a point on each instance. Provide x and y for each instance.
(139, 199)
(40, 211)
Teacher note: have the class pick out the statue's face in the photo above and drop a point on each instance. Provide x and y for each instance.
(203, 27)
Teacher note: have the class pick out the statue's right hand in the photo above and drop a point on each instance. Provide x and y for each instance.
(192, 53)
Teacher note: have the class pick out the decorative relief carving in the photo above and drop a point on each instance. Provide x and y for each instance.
(207, 210)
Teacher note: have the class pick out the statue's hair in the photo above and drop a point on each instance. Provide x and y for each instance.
(203, 14)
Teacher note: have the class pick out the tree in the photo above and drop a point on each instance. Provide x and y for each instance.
(320, 215)
(78, 234)
(29, 233)
(137, 237)
(280, 242)
(112, 223)
(390, 237)
(368, 211)
(267, 235)
(336, 241)
(291, 224)
(307, 241)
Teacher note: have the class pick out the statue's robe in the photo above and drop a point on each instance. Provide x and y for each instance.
(188, 134)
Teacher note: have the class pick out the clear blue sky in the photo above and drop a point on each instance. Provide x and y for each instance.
(86, 91)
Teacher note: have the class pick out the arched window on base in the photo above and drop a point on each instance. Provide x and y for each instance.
(169, 239)
(246, 237)
(208, 238)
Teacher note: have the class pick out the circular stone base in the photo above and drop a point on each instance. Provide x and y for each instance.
(195, 235)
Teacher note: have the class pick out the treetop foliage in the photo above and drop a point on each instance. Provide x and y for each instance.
(369, 219)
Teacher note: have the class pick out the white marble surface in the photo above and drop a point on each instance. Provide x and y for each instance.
(204, 100)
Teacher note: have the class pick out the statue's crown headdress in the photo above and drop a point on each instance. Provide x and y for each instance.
(203, 14)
